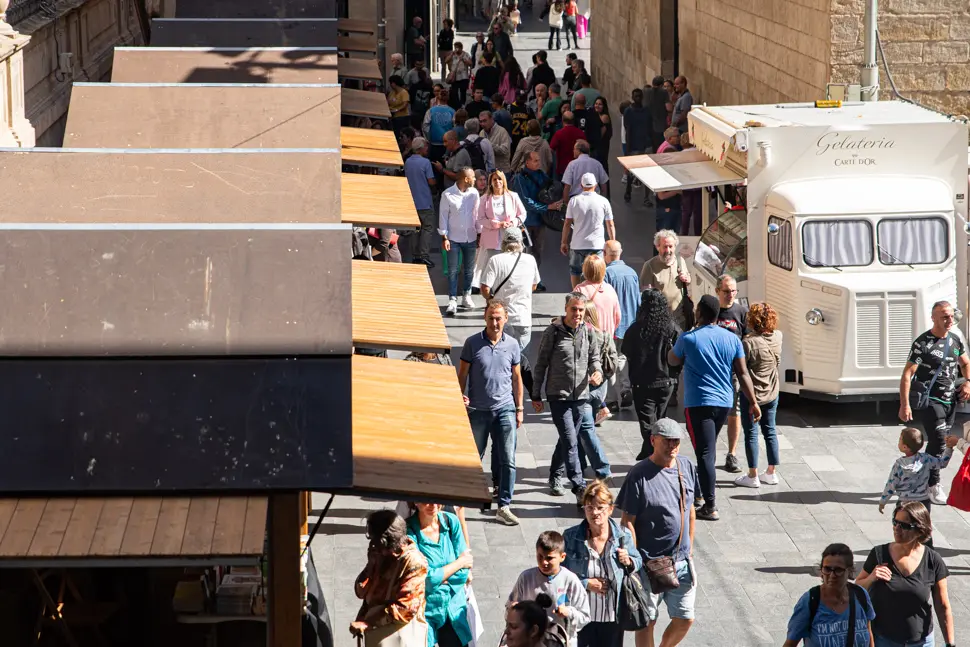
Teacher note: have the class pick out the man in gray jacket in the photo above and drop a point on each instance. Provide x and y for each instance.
(568, 363)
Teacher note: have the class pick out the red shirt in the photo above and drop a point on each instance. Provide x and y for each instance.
(570, 9)
(562, 145)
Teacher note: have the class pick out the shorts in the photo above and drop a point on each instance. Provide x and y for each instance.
(736, 407)
(576, 258)
(680, 601)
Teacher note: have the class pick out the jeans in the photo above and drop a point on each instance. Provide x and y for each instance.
(703, 425)
(936, 421)
(597, 396)
(569, 26)
(885, 642)
(667, 218)
(556, 31)
(520, 333)
(601, 634)
(651, 404)
(680, 601)
(467, 266)
(574, 422)
(499, 425)
(535, 233)
(767, 427)
(578, 256)
(690, 220)
(421, 239)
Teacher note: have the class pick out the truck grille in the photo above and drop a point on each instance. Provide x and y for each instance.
(868, 331)
(884, 328)
(902, 315)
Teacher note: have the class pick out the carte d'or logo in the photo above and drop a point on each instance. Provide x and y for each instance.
(854, 145)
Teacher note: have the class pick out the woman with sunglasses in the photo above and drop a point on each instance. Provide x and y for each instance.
(902, 577)
(597, 551)
(822, 615)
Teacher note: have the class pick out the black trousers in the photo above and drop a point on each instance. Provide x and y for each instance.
(936, 421)
(651, 404)
(447, 637)
(601, 634)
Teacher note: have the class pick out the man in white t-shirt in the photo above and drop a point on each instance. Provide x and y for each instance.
(589, 218)
(511, 277)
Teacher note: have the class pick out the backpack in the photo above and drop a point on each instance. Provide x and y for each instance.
(855, 595)
(474, 149)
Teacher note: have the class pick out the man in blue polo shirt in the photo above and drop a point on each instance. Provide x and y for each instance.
(489, 367)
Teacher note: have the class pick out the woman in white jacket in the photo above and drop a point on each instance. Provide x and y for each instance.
(555, 23)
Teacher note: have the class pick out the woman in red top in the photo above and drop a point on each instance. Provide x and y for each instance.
(570, 13)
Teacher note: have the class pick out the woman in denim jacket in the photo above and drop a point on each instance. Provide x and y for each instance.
(599, 552)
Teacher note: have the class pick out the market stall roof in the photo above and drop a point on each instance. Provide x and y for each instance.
(256, 8)
(364, 44)
(678, 171)
(371, 157)
(308, 65)
(361, 103)
(412, 438)
(377, 201)
(123, 531)
(416, 327)
(162, 115)
(369, 147)
(244, 32)
(357, 26)
(359, 69)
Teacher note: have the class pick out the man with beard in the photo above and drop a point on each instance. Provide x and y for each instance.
(667, 273)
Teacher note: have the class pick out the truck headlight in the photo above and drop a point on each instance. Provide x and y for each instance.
(814, 317)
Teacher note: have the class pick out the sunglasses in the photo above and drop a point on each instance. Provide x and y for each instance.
(903, 525)
(833, 570)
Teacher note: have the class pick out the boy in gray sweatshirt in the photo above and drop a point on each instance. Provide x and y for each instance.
(910, 476)
(569, 600)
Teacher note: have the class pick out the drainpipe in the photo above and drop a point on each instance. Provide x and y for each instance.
(870, 69)
(381, 40)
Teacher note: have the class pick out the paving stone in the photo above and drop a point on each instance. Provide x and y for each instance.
(823, 463)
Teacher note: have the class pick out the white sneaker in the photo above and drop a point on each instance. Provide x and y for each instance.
(452, 308)
(768, 479)
(747, 481)
(466, 301)
(623, 180)
(505, 515)
(938, 494)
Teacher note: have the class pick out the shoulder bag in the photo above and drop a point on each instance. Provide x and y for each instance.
(662, 571)
(634, 600)
(506, 279)
(919, 392)
(686, 305)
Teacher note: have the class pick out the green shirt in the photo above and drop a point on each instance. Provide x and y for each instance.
(550, 110)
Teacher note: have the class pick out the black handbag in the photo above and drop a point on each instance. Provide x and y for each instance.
(634, 601)
(686, 304)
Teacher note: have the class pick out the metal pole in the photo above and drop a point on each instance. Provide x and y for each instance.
(870, 69)
(381, 40)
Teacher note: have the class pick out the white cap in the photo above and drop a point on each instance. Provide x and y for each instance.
(588, 180)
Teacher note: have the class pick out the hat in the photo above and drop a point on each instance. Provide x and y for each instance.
(512, 235)
(588, 180)
(667, 428)
(418, 143)
(709, 307)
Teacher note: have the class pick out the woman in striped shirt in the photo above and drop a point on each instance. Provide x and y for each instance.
(599, 551)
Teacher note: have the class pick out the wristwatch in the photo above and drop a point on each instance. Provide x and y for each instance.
(520, 408)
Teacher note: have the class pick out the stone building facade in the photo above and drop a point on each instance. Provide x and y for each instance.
(766, 51)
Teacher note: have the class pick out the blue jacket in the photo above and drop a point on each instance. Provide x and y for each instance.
(528, 184)
(625, 281)
(441, 119)
(577, 554)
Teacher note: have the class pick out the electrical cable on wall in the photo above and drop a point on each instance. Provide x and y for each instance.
(896, 93)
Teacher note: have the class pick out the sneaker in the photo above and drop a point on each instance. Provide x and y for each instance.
(579, 497)
(626, 400)
(556, 488)
(614, 407)
(768, 479)
(731, 464)
(452, 308)
(506, 516)
(494, 491)
(747, 481)
(698, 503)
(466, 301)
(938, 495)
(708, 513)
(602, 414)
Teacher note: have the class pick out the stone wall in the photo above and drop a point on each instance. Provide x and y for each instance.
(927, 44)
(87, 29)
(626, 46)
(755, 51)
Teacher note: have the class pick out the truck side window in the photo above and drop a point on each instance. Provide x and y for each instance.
(780, 244)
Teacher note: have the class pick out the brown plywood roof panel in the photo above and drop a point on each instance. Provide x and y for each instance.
(425, 450)
(357, 43)
(377, 201)
(371, 157)
(381, 140)
(244, 32)
(111, 115)
(224, 65)
(188, 253)
(357, 26)
(419, 327)
(361, 103)
(256, 9)
(359, 69)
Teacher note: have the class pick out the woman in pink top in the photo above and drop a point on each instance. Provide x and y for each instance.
(499, 210)
(601, 294)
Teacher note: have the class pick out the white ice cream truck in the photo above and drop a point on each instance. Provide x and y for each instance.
(853, 226)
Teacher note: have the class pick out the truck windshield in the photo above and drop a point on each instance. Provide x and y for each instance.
(837, 243)
(913, 241)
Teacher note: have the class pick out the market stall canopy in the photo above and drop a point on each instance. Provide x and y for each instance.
(359, 69)
(370, 147)
(256, 8)
(164, 115)
(678, 171)
(129, 531)
(361, 103)
(357, 26)
(357, 44)
(244, 32)
(377, 201)
(113, 115)
(272, 65)
(412, 439)
(417, 327)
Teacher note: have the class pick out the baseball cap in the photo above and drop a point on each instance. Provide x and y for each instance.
(709, 306)
(667, 428)
(418, 143)
(512, 234)
(588, 180)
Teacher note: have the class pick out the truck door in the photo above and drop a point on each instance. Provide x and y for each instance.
(723, 249)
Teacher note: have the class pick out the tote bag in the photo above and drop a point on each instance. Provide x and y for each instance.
(960, 489)
(474, 616)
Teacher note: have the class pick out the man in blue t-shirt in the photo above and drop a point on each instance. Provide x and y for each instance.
(710, 355)
(420, 175)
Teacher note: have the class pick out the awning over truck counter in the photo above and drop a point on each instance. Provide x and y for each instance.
(679, 171)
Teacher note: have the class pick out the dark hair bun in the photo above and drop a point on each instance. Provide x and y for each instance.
(544, 601)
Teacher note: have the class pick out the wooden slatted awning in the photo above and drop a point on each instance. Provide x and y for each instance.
(357, 43)
(414, 326)
(371, 157)
(377, 201)
(357, 26)
(361, 103)
(162, 529)
(370, 147)
(412, 439)
(272, 65)
(360, 69)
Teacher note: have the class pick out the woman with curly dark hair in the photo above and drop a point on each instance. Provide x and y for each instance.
(762, 354)
(654, 380)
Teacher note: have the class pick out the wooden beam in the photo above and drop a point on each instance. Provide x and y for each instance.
(285, 612)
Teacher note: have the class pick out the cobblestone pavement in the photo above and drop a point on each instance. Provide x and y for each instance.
(753, 564)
